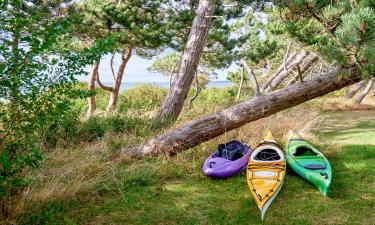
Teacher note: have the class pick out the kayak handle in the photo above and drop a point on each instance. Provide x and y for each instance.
(325, 175)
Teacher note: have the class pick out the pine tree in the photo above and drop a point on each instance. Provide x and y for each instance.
(341, 31)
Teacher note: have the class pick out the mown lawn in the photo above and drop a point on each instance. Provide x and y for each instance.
(174, 191)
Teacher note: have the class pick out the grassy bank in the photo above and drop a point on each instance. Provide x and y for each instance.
(79, 184)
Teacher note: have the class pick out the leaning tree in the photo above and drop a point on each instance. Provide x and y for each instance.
(339, 31)
(209, 37)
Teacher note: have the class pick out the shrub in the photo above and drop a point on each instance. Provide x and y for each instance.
(141, 98)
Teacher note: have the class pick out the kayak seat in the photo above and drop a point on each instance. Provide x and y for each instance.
(314, 166)
(304, 151)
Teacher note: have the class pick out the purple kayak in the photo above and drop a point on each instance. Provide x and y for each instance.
(228, 160)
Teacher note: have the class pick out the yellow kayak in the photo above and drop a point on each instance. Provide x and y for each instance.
(266, 172)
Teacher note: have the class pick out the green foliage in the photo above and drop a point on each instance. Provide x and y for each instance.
(166, 65)
(258, 42)
(141, 25)
(342, 31)
(235, 76)
(211, 97)
(36, 80)
(141, 99)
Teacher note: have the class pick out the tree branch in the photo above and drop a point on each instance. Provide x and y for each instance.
(241, 83)
(355, 89)
(101, 85)
(197, 90)
(113, 71)
(252, 78)
(364, 93)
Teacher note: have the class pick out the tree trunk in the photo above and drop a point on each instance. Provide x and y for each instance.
(252, 78)
(208, 127)
(197, 90)
(125, 56)
(355, 89)
(171, 72)
(278, 71)
(368, 88)
(101, 85)
(92, 87)
(170, 79)
(285, 73)
(311, 61)
(240, 87)
(174, 102)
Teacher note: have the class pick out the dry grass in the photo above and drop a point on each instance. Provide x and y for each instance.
(344, 104)
(65, 173)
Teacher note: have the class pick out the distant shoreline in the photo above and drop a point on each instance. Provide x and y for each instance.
(128, 85)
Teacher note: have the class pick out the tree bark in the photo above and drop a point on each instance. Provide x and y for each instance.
(240, 87)
(197, 90)
(101, 85)
(172, 105)
(279, 70)
(92, 87)
(355, 89)
(125, 57)
(208, 127)
(285, 73)
(368, 88)
(252, 78)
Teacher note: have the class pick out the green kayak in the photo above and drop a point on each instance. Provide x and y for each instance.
(308, 162)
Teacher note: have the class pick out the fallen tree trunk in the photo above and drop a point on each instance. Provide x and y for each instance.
(208, 127)
(355, 89)
(367, 89)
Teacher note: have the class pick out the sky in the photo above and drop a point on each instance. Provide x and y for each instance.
(136, 70)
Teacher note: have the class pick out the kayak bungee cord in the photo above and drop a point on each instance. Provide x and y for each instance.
(271, 190)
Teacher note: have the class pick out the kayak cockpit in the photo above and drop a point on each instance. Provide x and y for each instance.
(232, 151)
(302, 151)
(267, 153)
